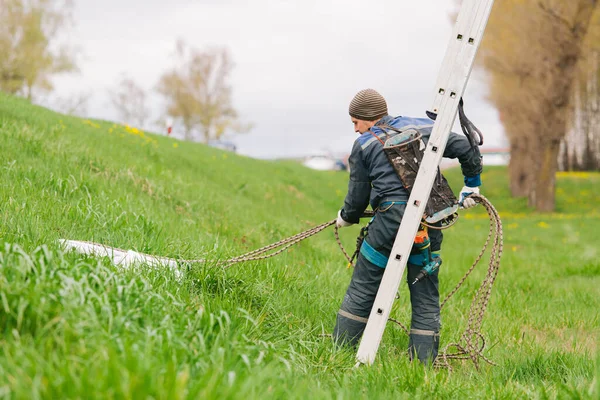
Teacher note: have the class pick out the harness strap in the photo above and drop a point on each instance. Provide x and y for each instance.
(383, 128)
(377, 137)
(373, 255)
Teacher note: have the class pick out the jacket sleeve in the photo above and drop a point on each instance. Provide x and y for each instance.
(458, 146)
(359, 186)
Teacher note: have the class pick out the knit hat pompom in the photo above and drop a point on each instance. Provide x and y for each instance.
(368, 105)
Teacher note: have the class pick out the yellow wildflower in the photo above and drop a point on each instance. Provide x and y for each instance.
(90, 123)
(543, 225)
(573, 174)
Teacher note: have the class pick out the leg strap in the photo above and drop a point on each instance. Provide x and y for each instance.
(423, 332)
(353, 317)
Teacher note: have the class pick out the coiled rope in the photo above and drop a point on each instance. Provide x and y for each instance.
(472, 341)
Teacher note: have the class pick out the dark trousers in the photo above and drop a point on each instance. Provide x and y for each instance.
(366, 278)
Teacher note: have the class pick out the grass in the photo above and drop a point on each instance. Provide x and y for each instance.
(78, 327)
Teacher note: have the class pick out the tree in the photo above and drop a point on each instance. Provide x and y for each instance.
(130, 101)
(581, 146)
(29, 52)
(198, 94)
(531, 50)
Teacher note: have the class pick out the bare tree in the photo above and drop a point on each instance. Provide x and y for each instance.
(29, 50)
(130, 101)
(198, 93)
(73, 104)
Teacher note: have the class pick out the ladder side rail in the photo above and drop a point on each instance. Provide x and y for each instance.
(464, 22)
(460, 64)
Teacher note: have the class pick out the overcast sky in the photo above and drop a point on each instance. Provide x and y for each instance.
(298, 63)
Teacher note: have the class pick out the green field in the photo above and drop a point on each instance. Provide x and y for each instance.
(77, 327)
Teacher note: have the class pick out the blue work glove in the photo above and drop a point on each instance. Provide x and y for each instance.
(340, 222)
(467, 202)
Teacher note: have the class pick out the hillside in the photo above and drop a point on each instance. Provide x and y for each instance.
(76, 327)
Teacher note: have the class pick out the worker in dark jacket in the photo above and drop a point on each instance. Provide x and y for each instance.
(374, 181)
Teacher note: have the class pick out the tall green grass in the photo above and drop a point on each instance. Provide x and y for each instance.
(78, 327)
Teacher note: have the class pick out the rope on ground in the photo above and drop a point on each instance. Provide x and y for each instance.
(282, 245)
(259, 254)
(472, 343)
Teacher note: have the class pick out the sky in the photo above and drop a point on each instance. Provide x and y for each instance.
(298, 63)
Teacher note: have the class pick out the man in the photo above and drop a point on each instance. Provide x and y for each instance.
(373, 180)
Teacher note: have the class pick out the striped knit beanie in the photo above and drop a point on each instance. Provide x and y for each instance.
(368, 105)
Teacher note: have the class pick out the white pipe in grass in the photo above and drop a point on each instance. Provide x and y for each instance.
(121, 258)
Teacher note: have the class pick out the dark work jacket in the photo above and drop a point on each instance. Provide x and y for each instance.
(373, 179)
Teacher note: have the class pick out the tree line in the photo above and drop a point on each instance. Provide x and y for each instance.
(196, 90)
(541, 58)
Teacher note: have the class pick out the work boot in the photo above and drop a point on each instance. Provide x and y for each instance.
(348, 328)
(424, 345)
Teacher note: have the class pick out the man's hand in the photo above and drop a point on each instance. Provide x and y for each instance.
(467, 202)
(340, 223)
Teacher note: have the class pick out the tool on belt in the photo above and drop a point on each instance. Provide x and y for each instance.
(421, 255)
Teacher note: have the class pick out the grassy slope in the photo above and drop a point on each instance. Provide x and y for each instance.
(78, 327)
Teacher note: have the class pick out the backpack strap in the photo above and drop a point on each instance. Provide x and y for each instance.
(383, 128)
